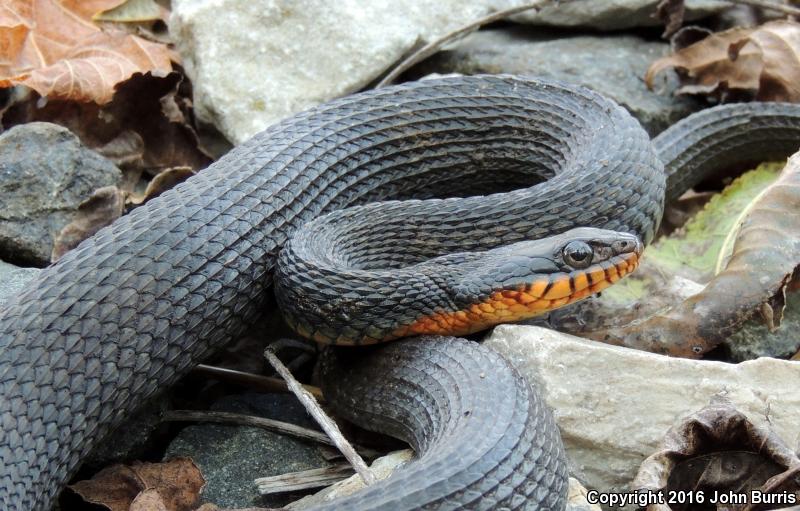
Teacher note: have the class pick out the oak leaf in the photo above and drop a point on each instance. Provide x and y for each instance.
(173, 485)
(761, 62)
(55, 48)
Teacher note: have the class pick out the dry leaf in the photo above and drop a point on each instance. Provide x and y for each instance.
(148, 500)
(177, 485)
(765, 257)
(670, 12)
(134, 11)
(126, 150)
(54, 48)
(103, 207)
(161, 183)
(153, 110)
(761, 62)
(719, 449)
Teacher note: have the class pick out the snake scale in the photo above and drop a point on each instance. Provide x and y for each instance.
(136, 306)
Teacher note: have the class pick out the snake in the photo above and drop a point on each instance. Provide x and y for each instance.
(431, 208)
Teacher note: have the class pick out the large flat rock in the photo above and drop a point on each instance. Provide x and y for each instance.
(284, 56)
(614, 405)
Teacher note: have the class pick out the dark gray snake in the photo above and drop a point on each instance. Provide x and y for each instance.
(132, 309)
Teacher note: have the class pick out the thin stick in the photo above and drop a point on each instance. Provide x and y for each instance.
(323, 420)
(303, 480)
(258, 422)
(434, 46)
(786, 9)
(252, 380)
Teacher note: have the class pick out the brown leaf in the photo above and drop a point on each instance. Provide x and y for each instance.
(718, 449)
(148, 500)
(670, 12)
(54, 48)
(103, 207)
(137, 112)
(161, 183)
(762, 62)
(177, 485)
(134, 11)
(780, 46)
(765, 257)
(125, 150)
(707, 64)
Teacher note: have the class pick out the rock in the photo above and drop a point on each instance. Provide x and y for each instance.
(288, 55)
(231, 457)
(577, 499)
(13, 279)
(613, 65)
(45, 173)
(614, 14)
(614, 405)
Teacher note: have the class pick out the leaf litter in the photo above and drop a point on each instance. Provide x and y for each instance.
(761, 63)
(173, 485)
(55, 49)
(718, 449)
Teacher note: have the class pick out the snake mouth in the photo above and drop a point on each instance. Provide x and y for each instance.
(527, 300)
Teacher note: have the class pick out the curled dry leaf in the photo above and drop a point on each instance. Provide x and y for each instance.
(161, 183)
(175, 485)
(103, 207)
(765, 257)
(761, 62)
(54, 48)
(134, 11)
(719, 449)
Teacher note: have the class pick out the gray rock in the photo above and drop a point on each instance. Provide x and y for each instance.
(13, 279)
(613, 405)
(613, 65)
(613, 14)
(231, 457)
(287, 55)
(45, 173)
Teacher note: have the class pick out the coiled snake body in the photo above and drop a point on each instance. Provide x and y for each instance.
(133, 308)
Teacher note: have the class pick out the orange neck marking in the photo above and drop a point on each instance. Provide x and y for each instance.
(528, 301)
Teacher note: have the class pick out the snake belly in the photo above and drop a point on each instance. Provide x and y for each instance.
(133, 308)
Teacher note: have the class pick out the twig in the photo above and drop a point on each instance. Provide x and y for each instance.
(251, 380)
(434, 46)
(765, 4)
(258, 422)
(303, 480)
(323, 420)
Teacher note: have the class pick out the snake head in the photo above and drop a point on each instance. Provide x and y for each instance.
(529, 278)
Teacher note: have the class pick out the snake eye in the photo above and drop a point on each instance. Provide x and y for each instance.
(578, 254)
